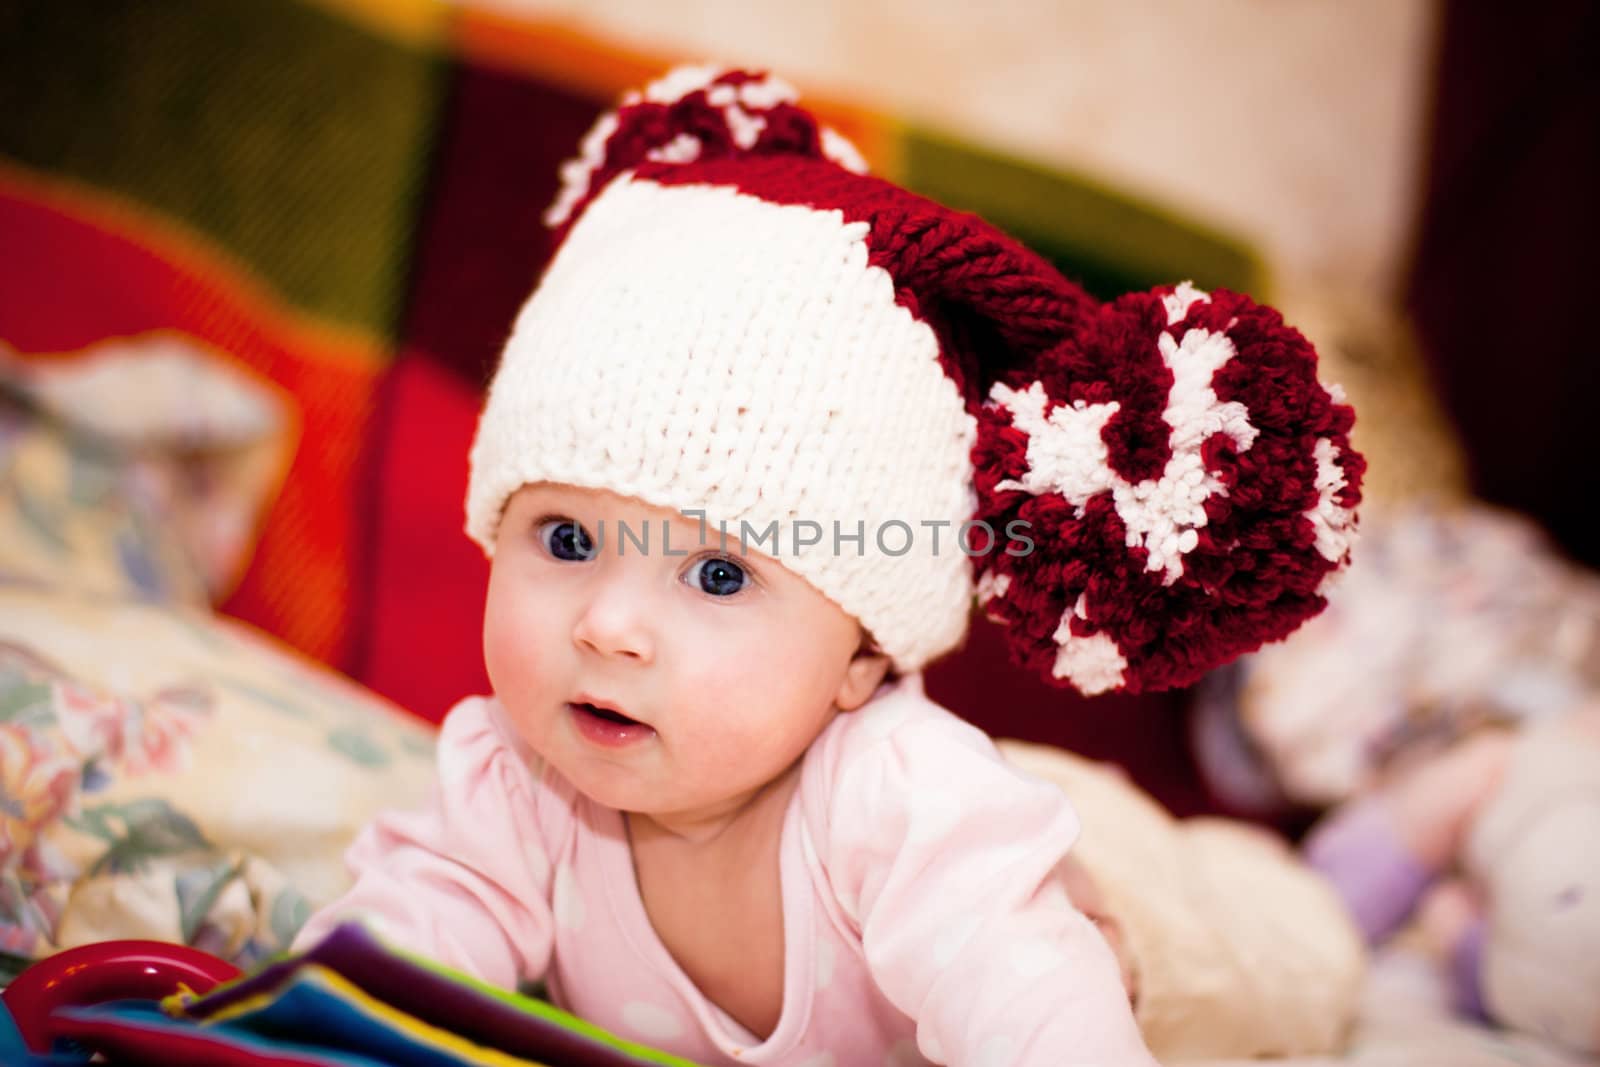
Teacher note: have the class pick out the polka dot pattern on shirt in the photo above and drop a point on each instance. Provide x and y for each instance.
(1032, 959)
(651, 1021)
(954, 938)
(937, 814)
(568, 906)
(825, 959)
(998, 1051)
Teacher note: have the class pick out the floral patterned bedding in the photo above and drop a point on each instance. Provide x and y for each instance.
(164, 773)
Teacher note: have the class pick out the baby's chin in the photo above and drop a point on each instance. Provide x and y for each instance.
(642, 778)
(601, 781)
(695, 818)
(621, 786)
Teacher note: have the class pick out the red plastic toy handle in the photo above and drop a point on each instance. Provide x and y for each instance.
(106, 970)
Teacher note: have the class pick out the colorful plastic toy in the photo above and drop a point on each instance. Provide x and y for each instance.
(107, 970)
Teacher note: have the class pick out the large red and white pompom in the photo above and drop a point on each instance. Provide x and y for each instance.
(1188, 485)
(695, 113)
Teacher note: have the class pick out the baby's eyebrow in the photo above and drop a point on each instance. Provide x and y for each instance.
(549, 498)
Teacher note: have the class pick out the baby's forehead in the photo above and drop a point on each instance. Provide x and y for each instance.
(589, 497)
(597, 505)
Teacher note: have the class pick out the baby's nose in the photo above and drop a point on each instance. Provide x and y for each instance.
(616, 623)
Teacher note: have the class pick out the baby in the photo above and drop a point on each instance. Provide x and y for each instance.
(761, 432)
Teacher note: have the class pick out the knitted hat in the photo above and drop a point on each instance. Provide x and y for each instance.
(739, 322)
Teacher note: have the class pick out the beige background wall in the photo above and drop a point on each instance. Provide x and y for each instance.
(1297, 124)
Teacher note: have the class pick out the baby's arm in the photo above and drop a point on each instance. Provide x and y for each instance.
(466, 879)
(950, 862)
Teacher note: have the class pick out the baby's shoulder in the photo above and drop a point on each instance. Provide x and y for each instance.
(903, 751)
(900, 726)
(903, 782)
(479, 753)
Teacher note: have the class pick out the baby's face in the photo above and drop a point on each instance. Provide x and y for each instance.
(667, 685)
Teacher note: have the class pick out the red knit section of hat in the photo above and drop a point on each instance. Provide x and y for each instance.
(994, 304)
(645, 127)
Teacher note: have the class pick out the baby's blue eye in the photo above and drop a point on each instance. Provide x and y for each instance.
(718, 576)
(566, 540)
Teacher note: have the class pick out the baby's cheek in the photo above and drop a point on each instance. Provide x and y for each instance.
(512, 646)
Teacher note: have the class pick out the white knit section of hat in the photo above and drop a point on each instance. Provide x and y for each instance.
(699, 348)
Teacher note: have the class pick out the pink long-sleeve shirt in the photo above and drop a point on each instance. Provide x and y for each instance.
(924, 920)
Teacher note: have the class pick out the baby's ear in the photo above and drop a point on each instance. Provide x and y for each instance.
(862, 677)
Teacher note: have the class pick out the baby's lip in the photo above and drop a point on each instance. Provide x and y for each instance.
(609, 706)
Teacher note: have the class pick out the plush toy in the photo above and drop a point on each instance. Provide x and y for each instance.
(1446, 710)
(1488, 849)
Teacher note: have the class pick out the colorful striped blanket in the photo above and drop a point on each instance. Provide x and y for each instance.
(348, 1002)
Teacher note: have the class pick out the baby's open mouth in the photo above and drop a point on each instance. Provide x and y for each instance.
(607, 714)
(607, 726)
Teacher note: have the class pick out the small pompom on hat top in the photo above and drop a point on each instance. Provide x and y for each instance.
(740, 323)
